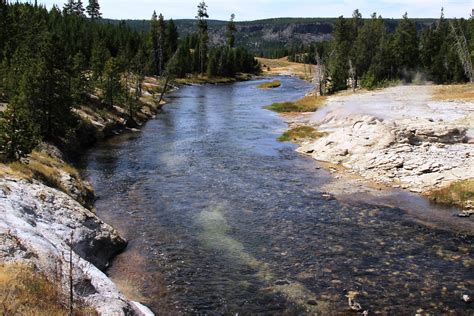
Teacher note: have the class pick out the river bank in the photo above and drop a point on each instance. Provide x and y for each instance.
(46, 189)
(410, 137)
(222, 218)
(49, 227)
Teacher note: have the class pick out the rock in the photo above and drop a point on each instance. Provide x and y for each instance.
(37, 225)
(281, 282)
(140, 309)
(466, 299)
(312, 302)
(465, 213)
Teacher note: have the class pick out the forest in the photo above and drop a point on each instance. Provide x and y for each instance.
(363, 53)
(53, 61)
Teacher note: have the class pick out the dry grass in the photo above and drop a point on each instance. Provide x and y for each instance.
(464, 92)
(460, 193)
(25, 292)
(306, 104)
(301, 133)
(283, 66)
(49, 170)
(270, 85)
(211, 80)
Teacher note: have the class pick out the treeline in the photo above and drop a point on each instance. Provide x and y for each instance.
(54, 61)
(363, 53)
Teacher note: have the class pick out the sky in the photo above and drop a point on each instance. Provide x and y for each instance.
(260, 9)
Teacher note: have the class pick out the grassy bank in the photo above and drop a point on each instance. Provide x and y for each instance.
(305, 104)
(301, 133)
(460, 193)
(270, 85)
(212, 80)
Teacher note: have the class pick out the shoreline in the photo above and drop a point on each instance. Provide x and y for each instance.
(55, 193)
(366, 135)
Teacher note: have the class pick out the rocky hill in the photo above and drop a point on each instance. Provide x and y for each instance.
(265, 36)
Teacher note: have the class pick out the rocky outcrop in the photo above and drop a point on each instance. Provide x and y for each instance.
(391, 137)
(40, 225)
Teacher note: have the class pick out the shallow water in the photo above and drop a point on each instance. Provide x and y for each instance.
(223, 219)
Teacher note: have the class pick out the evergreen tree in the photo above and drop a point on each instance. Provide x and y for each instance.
(172, 36)
(230, 32)
(154, 45)
(338, 66)
(202, 17)
(93, 10)
(78, 8)
(112, 86)
(80, 85)
(406, 44)
(18, 133)
(68, 7)
(99, 56)
(161, 43)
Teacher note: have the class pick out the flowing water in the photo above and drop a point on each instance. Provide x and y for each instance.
(222, 218)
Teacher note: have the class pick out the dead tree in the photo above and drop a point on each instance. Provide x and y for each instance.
(462, 49)
(319, 78)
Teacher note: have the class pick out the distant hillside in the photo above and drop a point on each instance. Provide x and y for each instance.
(266, 36)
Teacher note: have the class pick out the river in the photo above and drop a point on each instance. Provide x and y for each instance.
(222, 218)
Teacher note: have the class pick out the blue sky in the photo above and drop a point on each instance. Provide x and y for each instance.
(259, 9)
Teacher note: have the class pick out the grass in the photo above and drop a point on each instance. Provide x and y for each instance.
(305, 104)
(460, 193)
(25, 292)
(463, 92)
(47, 169)
(270, 85)
(300, 133)
(213, 80)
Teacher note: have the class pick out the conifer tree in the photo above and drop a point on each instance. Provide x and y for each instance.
(406, 44)
(202, 17)
(161, 43)
(154, 45)
(93, 10)
(18, 133)
(68, 7)
(112, 87)
(172, 36)
(78, 8)
(230, 32)
(339, 66)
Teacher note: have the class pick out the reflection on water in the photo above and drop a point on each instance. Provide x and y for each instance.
(223, 219)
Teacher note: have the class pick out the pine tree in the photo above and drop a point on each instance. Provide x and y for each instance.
(18, 133)
(80, 85)
(78, 8)
(93, 10)
(154, 45)
(161, 43)
(201, 17)
(406, 44)
(99, 56)
(68, 7)
(339, 64)
(230, 32)
(111, 85)
(172, 36)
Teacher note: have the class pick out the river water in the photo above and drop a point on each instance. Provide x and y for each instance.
(222, 218)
